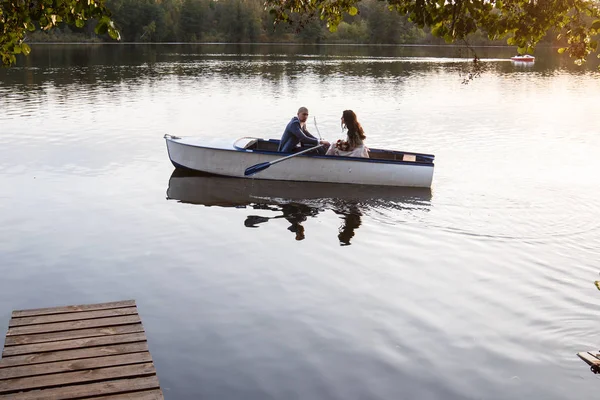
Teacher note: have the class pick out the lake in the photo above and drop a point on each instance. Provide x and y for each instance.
(480, 288)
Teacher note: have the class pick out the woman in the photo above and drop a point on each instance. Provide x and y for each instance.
(354, 145)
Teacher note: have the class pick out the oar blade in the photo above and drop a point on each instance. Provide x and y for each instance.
(256, 168)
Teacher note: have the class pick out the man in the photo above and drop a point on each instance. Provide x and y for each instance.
(296, 133)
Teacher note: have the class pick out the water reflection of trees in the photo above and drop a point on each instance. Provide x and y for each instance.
(296, 202)
(90, 66)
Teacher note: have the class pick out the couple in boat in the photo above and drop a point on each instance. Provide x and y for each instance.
(296, 135)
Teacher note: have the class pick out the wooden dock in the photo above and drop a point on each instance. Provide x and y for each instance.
(95, 351)
(592, 358)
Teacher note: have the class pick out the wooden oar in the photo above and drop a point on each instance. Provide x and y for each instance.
(262, 166)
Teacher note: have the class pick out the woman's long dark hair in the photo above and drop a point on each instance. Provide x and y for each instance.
(355, 131)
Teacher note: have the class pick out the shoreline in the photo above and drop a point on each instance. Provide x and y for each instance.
(283, 44)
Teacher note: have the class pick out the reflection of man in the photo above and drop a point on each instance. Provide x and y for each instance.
(295, 214)
(298, 230)
(296, 133)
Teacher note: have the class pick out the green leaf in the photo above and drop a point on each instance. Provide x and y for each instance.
(113, 33)
(439, 30)
(30, 27)
(80, 23)
(101, 28)
(25, 48)
(17, 49)
(353, 11)
(562, 50)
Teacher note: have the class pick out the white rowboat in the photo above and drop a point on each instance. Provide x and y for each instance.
(384, 167)
(523, 58)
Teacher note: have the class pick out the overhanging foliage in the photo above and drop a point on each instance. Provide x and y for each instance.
(17, 17)
(523, 22)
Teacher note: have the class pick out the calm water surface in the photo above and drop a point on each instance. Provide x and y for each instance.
(480, 288)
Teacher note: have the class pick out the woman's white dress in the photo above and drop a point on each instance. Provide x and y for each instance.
(359, 151)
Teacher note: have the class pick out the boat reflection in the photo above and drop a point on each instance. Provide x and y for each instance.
(295, 202)
(523, 64)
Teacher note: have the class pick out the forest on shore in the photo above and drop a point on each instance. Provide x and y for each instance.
(247, 21)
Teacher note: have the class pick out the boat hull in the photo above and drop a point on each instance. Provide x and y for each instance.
(523, 59)
(211, 190)
(330, 169)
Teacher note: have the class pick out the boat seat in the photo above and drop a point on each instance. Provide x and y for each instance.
(264, 145)
(385, 155)
(382, 155)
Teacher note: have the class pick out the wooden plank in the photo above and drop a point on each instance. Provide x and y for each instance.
(73, 344)
(74, 365)
(78, 334)
(68, 309)
(73, 354)
(93, 389)
(76, 377)
(73, 325)
(46, 319)
(589, 358)
(94, 351)
(155, 394)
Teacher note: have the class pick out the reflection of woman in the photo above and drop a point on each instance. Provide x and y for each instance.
(351, 222)
(351, 216)
(354, 145)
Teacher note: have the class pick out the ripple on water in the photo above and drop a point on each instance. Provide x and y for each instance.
(480, 288)
(548, 215)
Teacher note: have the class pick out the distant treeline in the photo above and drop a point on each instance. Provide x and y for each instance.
(238, 21)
